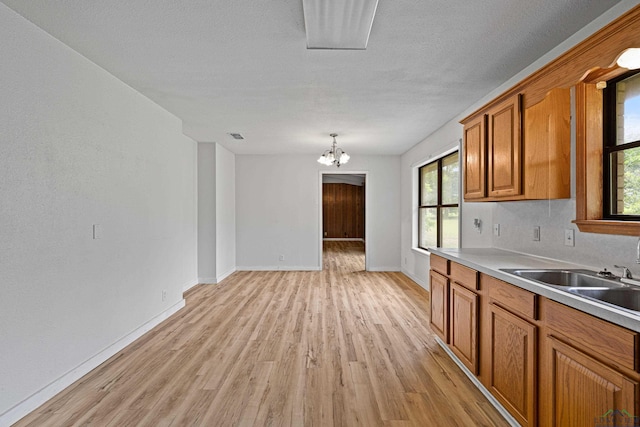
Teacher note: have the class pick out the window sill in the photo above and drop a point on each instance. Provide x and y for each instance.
(421, 251)
(626, 228)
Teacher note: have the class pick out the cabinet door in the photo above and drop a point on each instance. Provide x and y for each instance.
(439, 305)
(512, 368)
(581, 391)
(474, 161)
(463, 326)
(504, 149)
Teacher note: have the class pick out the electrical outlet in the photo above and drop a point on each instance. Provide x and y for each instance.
(477, 224)
(496, 229)
(164, 295)
(569, 238)
(536, 233)
(281, 258)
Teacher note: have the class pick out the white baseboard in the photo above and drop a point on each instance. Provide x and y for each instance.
(279, 268)
(383, 269)
(507, 416)
(38, 398)
(207, 280)
(223, 276)
(415, 279)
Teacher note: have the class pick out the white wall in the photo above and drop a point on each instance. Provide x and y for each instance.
(415, 262)
(225, 212)
(207, 213)
(278, 210)
(78, 147)
(517, 218)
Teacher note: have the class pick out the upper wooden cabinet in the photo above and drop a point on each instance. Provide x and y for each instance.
(516, 153)
(504, 142)
(545, 113)
(474, 163)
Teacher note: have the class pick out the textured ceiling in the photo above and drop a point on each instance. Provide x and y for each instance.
(242, 65)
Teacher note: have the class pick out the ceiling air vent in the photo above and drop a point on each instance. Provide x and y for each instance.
(236, 136)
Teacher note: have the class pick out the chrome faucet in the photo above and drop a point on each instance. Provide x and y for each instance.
(625, 271)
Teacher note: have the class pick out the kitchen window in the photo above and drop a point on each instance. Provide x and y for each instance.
(621, 163)
(439, 198)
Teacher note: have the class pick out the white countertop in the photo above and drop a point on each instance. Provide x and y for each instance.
(491, 260)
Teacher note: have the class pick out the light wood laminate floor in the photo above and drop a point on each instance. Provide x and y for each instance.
(338, 347)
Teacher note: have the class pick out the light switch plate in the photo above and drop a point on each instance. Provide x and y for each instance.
(536, 233)
(97, 231)
(496, 229)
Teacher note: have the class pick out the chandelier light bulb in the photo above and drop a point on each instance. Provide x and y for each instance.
(334, 156)
(630, 59)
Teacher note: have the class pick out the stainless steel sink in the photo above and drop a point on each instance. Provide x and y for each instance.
(627, 297)
(587, 284)
(567, 278)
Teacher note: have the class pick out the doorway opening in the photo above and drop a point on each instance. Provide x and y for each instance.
(343, 213)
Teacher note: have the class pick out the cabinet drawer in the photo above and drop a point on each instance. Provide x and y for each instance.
(441, 265)
(601, 337)
(510, 297)
(464, 276)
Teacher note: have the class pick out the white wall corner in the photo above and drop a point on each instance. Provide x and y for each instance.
(385, 269)
(190, 284)
(207, 280)
(422, 283)
(225, 275)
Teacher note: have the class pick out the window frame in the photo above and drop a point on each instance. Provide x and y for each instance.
(439, 205)
(589, 162)
(610, 136)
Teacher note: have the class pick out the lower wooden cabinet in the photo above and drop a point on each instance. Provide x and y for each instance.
(512, 363)
(439, 305)
(463, 325)
(546, 363)
(581, 391)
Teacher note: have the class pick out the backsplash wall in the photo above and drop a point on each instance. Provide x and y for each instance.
(596, 251)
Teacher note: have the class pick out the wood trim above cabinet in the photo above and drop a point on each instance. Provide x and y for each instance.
(597, 52)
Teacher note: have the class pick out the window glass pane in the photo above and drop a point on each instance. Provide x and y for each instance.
(628, 110)
(429, 184)
(428, 232)
(625, 182)
(450, 174)
(449, 227)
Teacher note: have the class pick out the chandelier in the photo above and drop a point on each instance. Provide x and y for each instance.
(334, 156)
